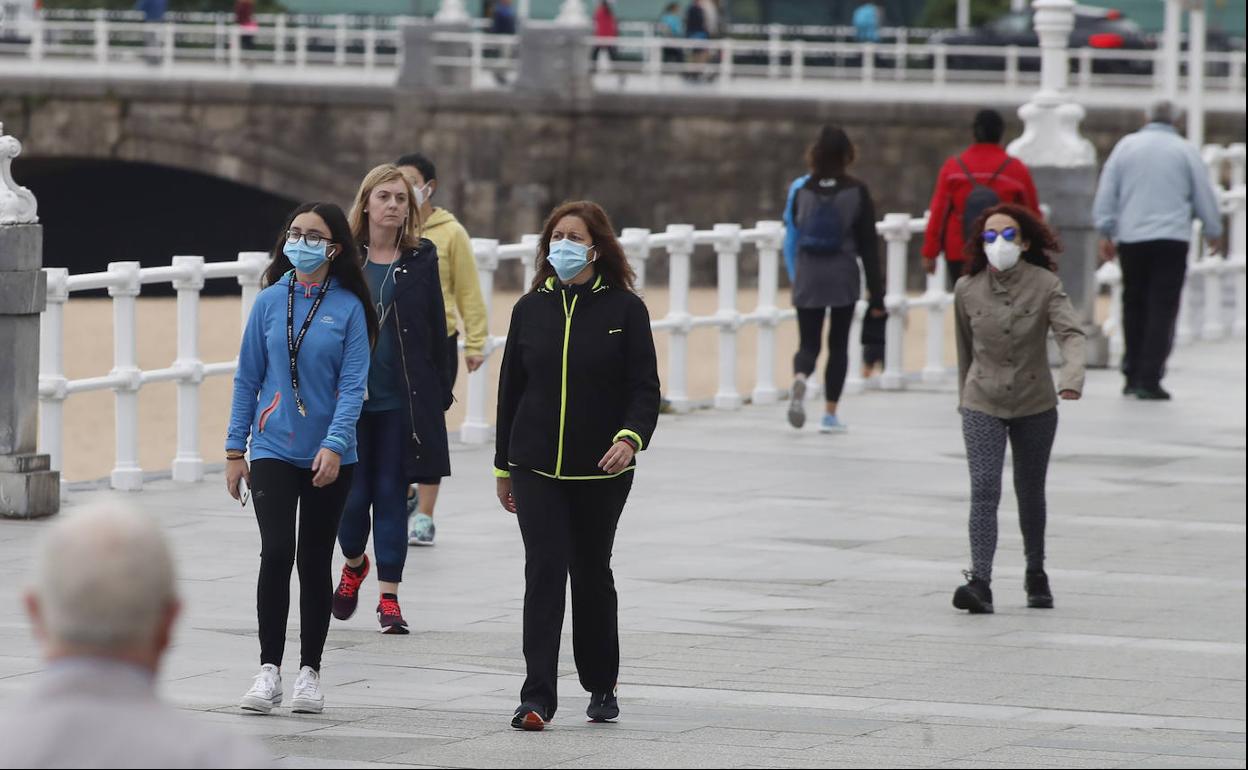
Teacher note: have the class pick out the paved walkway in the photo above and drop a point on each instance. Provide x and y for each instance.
(785, 602)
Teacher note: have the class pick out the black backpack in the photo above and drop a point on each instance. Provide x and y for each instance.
(982, 197)
(823, 232)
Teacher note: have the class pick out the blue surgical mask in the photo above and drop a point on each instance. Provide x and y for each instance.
(306, 259)
(568, 258)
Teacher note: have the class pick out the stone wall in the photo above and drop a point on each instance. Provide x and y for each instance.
(505, 160)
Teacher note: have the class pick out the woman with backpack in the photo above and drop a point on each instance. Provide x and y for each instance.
(830, 226)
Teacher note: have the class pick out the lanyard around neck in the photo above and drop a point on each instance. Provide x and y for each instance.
(293, 343)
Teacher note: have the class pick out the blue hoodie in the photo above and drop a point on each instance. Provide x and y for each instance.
(333, 374)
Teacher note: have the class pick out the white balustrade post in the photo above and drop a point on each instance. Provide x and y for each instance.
(896, 231)
(797, 68)
(937, 299)
(680, 253)
(636, 244)
(765, 390)
(725, 62)
(340, 40)
(236, 47)
(854, 382)
(1168, 61)
(1196, 73)
(188, 466)
(1112, 272)
(127, 475)
(773, 51)
(279, 39)
(868, 62)
(301, 49)
(1186, 328)
(728, 252)
(101, 40)
(255, 263)
(52, 382)
(168, 43)
(531, 242)
(36, 40)
(370, 49)
(476, 428)
(940, 69)
(219, 39)
(1235, 155)
(1237, 259)
(572, 14)
(452, 11)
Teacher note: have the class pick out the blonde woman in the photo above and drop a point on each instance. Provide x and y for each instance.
(402, 429)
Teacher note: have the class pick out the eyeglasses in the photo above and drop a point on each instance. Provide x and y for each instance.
(311, 239)
(1009, 233)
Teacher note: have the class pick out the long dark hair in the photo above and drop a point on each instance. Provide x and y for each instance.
(1043, 245)
(831, 155)
(345, 266)
(611, 264)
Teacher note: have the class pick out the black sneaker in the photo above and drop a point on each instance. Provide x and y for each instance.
(603, 707)
(1151, 393)
(975, 596)
(530, 717)
(1038, 594)
(1130, 389)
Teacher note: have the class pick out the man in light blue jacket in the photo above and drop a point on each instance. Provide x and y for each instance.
(1153, 185)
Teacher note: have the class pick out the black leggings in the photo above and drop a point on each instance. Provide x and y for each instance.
(1031, 441)
(277, 488)
(569, 527)
(809, 330)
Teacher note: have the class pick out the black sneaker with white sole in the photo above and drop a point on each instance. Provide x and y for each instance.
(603, 707)
(1039, 595)
(530, 717)
(975, 596)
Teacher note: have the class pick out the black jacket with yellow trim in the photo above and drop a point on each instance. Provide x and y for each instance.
(579, 372)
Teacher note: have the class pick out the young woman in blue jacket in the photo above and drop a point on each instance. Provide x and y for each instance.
(297, 396)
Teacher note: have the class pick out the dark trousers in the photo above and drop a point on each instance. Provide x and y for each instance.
(809, 331)
(277, 490)
(380, 485)
(1152, 286)
(1031, 441)
(569, 528)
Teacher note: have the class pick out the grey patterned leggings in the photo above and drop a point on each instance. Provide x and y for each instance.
(1031, 441)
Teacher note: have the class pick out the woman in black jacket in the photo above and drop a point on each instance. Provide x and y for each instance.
(578, 398)
(402, 429)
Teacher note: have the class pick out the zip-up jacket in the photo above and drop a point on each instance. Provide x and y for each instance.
(579, 373)
(419, 318)
(333, 374)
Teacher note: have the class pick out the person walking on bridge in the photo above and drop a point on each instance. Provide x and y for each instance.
(298, 391)
(578, 398)
(1005, 307)
(403, 426)
(1152, 186)
(829, 228)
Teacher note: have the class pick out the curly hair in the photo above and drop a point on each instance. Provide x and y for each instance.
(1043, 245)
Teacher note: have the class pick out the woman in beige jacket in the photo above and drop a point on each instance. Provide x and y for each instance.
(1005, 306)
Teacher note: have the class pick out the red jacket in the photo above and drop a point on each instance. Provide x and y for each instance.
(1012, 185)
(605, 24)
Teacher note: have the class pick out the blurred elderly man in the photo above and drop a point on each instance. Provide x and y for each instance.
(1152, 186)
(103, 606)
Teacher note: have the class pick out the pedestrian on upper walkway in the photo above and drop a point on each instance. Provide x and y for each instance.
(606, 25)
(1005, 307)
(866, 19)
(1152, 186)
(402, 429)
(829, 222)
(298, 391)
(578, 398)
(671, 25)
(461, 296)
(969, 184)
(503, 20)
(103, 602)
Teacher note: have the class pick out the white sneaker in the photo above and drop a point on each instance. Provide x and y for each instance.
(266, 692)
(308, 698)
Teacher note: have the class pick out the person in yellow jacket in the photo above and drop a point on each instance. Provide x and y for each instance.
(461, 293)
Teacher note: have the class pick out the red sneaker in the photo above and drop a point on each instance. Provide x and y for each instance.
(347, 594)
(390, 616)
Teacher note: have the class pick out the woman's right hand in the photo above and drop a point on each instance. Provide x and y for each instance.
(505, 496)
(236, 471)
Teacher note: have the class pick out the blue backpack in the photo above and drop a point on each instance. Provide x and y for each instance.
(823, 231)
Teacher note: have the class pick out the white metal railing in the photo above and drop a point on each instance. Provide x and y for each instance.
(342, 46)
(1214, 306)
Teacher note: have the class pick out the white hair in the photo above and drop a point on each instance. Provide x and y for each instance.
(104, 578)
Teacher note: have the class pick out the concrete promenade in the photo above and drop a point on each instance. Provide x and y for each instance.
(784, 602)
